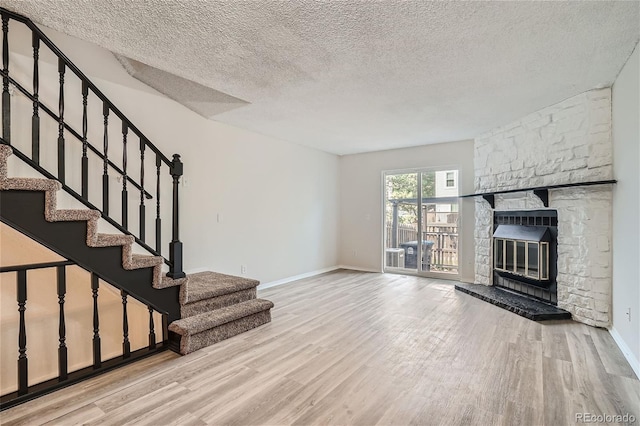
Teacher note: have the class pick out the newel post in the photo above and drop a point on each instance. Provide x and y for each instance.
(175, 247)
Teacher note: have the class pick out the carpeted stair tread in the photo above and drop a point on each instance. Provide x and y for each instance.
(30, 184)
(5, 152)
(191, 343)
(109, 240)
(166, 281)
(209, 320)
(142, 261)
(206, 305)
(205, 285)
(79, 215)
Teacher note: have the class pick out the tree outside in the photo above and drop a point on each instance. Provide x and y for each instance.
(405, 186)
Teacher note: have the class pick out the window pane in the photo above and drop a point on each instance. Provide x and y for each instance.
(498, 253)
(451, 180)
(544, 263)
(439, 224)
(520, 254)
(510, 250)
(533, 260)
(401, 220)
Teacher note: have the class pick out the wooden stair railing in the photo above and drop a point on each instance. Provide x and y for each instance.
(171, 170)
(65, 377)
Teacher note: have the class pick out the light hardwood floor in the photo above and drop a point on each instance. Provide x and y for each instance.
(360, 348)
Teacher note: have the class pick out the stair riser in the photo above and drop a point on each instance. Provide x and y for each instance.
(24, 210)
(192, 343)
(202, 306)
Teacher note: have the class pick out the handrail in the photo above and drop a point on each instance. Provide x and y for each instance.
(75, 133)
(109, 112)
(31, 266)
(43, 37)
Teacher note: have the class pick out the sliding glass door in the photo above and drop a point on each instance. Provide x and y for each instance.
(421, 222)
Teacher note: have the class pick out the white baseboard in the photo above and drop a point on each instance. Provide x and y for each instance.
(196, 270)
(297, 277)
(626, 351)
(357, 268)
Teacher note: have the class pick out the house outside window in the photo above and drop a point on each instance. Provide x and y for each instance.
(451, 180)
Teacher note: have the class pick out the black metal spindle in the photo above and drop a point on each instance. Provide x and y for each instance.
(152, 330)
(126, 346)
(61, 165)
(35, 120)
(62, 329)
(6, 96)
(85, 159)
(105, 163)
(158, 220)
(23, 377)
(97, 357)
(143, 146)
(175, 247)
(125, 196)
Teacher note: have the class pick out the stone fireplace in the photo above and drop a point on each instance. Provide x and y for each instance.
(566, 143)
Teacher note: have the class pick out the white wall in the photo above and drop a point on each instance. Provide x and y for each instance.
(626, 210)
(278, 201)
(361, 198)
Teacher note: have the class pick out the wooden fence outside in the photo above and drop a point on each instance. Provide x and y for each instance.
(444, 251)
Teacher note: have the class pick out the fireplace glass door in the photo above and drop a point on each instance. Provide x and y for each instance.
(526, 258)
(533, 269)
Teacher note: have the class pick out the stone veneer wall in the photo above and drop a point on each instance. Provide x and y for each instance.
(568, 142)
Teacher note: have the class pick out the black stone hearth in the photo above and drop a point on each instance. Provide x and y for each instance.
(518, 304)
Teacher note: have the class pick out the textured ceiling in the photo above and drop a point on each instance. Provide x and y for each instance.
(199, 98)
(352, 76)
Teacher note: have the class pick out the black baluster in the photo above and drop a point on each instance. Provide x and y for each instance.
(143, 145)
(62, 329)
(6, 96)
(61, 165)
(125, 197)
(175, 247)
(23, 377)
(105, 164)
(97, 357)
(85, 160)
(35, 120)
(152, 330)
(126, 346)
(165, 327)
(158, 220)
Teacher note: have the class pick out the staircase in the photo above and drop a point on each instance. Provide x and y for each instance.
(215, 307)
(198, 309)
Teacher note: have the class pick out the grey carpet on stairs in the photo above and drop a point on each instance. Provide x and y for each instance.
(217, 334)
(205, 285)
(202, 322)
(206, 305)
(211, 327)
(216, 306)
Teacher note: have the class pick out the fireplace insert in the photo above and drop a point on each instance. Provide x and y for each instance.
(522, 251)
(525, 252)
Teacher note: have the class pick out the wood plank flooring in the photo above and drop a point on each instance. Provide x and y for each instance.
(359, 348)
